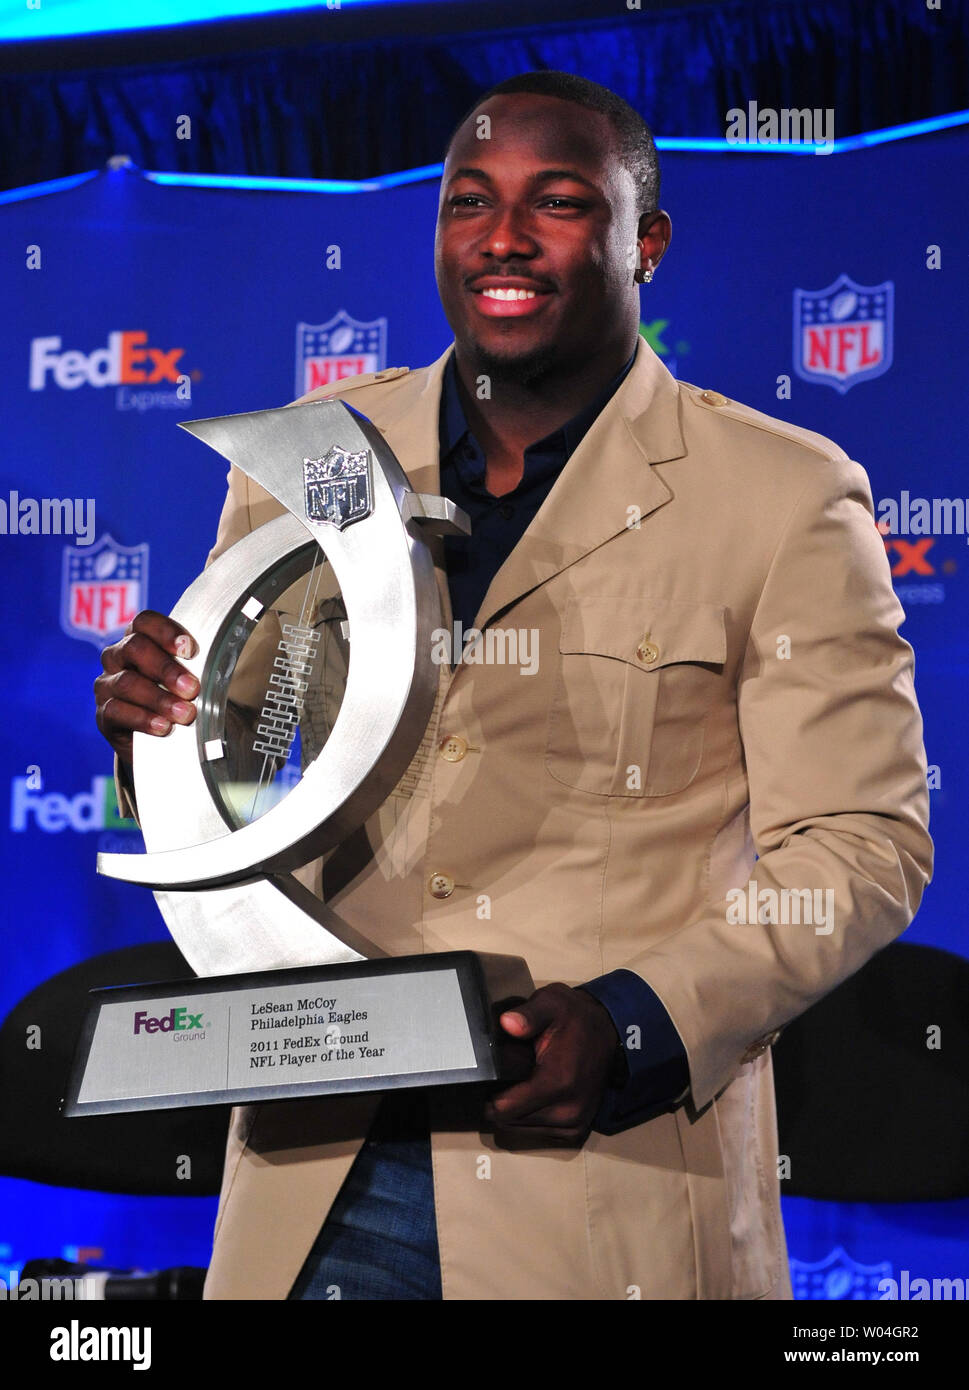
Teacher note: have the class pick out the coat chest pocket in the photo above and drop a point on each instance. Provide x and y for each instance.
(637, 678)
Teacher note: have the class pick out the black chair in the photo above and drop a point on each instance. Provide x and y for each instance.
(867, 1110)
(141, 1152)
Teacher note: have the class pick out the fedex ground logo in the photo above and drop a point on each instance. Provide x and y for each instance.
(175, 1021)
(34, 808)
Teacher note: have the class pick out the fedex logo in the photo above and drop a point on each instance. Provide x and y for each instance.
(126, 361)
(173, 1022)
(912, 555)
(52, 812)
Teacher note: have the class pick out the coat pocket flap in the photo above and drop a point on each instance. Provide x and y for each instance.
(645, 631)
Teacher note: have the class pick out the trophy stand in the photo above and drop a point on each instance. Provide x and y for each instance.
(290, 1001)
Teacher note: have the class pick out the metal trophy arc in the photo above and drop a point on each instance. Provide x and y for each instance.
(226, 892)
(289, 1001)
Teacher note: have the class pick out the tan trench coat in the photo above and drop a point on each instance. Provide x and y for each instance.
(605, 805)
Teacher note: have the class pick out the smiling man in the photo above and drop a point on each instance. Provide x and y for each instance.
(543, 220)
(596, 815)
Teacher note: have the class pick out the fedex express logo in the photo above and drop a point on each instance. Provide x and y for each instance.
(172, 1022)
(127, 360)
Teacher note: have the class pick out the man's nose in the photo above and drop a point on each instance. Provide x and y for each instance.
(508, 235)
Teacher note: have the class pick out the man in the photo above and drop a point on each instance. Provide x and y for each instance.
(719, 680)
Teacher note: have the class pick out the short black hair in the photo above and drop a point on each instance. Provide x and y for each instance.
(637, 149)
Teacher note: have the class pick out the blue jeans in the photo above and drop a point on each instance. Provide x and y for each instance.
(379, 1240)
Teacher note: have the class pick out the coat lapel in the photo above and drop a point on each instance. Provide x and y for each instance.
(592, 499)
(608, 474)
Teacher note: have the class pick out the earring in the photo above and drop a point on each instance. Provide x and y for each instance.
(643, 277)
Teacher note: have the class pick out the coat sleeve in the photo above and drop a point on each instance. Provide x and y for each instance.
(838, 800)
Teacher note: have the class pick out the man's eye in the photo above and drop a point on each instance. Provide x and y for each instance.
(466, 200)
(568, 203)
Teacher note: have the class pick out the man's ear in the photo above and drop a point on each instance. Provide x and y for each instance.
(654, 234)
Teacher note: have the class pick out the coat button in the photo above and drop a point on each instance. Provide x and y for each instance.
(647, 651)
(440, 885)
(713, 398)
(453, 748)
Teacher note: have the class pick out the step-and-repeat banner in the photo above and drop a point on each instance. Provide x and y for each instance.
(829, 290)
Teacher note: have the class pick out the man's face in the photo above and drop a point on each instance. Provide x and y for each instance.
(534, 233)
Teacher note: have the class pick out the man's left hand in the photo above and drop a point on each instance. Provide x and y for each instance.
(575, 1055)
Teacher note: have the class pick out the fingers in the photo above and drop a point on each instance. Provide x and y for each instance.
(557, 1095)
(155, 710)
(143, 687)
(540, 1103)
(551, 1098)
(574, 1042)
(119, 721)
(150, 646)
(164, 632)
(546, 1007)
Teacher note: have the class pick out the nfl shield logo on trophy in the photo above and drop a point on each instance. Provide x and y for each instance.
(327, 353)
(843, 334)
(338, 487)
(103, 586)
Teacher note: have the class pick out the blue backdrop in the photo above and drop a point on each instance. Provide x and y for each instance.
(827, 290)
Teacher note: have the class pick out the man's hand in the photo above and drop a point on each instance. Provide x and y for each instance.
(143, 688)
(575, 1055)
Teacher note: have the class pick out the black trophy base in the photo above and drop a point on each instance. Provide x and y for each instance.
(373, 1025)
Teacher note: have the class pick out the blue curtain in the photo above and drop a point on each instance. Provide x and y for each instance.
(358, 109)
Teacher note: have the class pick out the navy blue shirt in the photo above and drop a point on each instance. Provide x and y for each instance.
(655, 1056)
(497, 523)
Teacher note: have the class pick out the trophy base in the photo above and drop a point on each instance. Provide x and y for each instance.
(368, 1025)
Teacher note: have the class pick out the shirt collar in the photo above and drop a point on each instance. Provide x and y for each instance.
(564, 441)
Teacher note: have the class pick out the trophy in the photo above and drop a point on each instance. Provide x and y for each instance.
(317, 683)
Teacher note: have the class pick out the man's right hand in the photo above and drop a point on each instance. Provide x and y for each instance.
(143, 688)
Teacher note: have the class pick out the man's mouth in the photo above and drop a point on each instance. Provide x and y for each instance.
(508, 301)
(507, 294)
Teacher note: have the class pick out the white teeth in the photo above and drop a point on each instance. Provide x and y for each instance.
(508, 294)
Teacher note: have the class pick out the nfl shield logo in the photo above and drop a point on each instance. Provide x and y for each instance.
(327, 353)
(103, 586)
(838, 1276)
(843, 334)
(338, 487)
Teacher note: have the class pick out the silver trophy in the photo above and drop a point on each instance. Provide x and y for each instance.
(317, 683)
